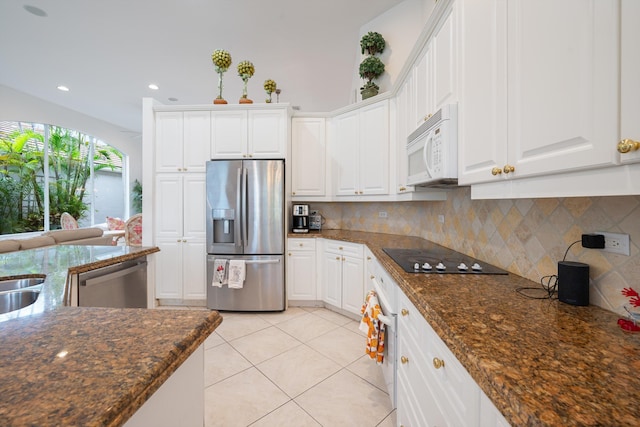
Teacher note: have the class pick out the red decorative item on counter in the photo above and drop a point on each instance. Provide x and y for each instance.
(629, 325)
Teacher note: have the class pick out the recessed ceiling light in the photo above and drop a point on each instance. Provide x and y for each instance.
(34, 10)
(153, 86)
(63, 88)
(172, 99)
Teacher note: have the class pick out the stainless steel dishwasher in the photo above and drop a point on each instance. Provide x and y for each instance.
(123, 285)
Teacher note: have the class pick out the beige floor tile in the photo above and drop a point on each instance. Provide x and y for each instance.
(288, 415)
(390, 421)
(307, 327)
(236, 325)
(241, 400)
(281, 316)
(332, 316)
(264, 344)
(340, 345)
(213, 340)
(354, 326)
(297, 370)
(368, 370)
(221, 362)
(345, 399)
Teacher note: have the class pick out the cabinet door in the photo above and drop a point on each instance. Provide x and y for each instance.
(563, 84)
(168, 206)
(267, 134)
(194, 268)
(228, 134)
(344, 154)
(374, 149)
(445, 64)
(169, 141)
(194, 197)
(630, 83)
(332, 279)
(352, 284)
(197, 140)
(482, 129)
(402, 129)
(422, 85)
(301, 275)
(169, 268)
(308, 157)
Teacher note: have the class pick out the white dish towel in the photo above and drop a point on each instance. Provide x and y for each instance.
(237, 273)
(219, 272)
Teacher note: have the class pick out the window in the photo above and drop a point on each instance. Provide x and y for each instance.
(46, 170)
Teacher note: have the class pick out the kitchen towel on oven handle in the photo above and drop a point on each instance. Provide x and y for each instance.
(373, 327)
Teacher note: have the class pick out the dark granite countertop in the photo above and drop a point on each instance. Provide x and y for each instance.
(541, 362)
(86, 366)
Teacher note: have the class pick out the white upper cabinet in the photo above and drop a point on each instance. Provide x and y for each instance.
(630, 80)
(182, 141)
(249, 134)
(360, 151)
(539, 87)
(308, 156)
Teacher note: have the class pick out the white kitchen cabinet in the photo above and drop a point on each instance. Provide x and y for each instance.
(433, 387)
(249, 133)
(308, 156)
(629, 81)
(489, 414)
(359, 151)
(179, 232)
(343, 275)
(540, 87)
(435, 74)
(183, 141)
(301, 270)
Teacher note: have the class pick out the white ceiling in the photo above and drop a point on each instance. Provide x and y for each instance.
(107, 52)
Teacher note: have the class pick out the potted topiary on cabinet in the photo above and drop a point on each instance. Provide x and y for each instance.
(370, 68)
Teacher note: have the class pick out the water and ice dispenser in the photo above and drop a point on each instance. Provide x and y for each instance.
(223, 225)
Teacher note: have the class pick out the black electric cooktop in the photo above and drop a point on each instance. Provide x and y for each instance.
(437, 259)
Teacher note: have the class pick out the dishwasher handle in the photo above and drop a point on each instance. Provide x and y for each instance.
(114, 275)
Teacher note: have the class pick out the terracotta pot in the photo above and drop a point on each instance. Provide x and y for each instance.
(245, 101)
(219, 101)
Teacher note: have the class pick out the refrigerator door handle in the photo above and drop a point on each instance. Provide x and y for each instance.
(262, 261)
(245, 238)
(238, 215)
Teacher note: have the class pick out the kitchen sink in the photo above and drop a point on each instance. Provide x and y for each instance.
(17, 299)
(14, 284)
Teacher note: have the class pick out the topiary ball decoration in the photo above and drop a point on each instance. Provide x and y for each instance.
(221, 60)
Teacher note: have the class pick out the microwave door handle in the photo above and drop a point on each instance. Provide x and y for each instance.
(428, 154)
(238, 215)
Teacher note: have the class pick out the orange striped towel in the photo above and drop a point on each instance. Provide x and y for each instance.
(373, 327)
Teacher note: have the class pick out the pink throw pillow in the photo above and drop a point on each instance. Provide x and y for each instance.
(115, 223)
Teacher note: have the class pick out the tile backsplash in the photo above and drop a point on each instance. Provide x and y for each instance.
(524, 236)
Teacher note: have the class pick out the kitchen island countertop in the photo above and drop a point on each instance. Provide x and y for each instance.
(541, 362)
(86, 366)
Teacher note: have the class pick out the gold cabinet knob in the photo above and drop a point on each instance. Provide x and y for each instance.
(293, 193)
(338, 258)
(403, 188)
(356, 192)
(404, 312)
(340, 247)
(438, 363)
(427, 117)
(300, 244)
(184, 169)
(404, 360)
(289, 253)
(344, 259)
(508, 168)
(372, 277)
(627, 145)
(368, 258)
(496, 171)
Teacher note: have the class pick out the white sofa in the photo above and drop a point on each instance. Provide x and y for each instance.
(80, 236)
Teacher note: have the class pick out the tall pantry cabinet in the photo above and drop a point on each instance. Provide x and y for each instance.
(182, 148)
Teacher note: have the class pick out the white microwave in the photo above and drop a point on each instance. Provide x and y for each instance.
(432, 150)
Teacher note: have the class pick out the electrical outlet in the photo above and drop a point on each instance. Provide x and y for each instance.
(382, 214)
(441, 219)
(615, 243)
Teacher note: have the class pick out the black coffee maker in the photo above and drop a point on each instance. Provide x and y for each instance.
(300, 219)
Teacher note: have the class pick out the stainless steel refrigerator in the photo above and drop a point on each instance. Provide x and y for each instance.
(245, 221)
